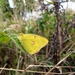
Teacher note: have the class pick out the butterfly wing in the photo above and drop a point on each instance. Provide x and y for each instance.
(32, 43)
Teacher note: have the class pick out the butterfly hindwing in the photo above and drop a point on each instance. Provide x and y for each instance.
(32, 43)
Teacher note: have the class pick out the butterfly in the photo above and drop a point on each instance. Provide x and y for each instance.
(32, 43)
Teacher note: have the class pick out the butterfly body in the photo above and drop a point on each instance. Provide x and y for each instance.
(32, 43)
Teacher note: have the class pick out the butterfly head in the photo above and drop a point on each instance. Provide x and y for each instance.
(21, 36)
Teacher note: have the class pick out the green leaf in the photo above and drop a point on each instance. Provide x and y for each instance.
(14, 38)
(41, 27)
(4, 38)
(72, 56)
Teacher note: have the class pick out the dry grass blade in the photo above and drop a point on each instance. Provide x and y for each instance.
(68, 54)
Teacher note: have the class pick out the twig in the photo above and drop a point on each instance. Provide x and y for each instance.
(72, 73)
(3, 68)
(11, 69)
(19, 61)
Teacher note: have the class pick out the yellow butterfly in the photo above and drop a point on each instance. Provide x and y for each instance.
(32, 43)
